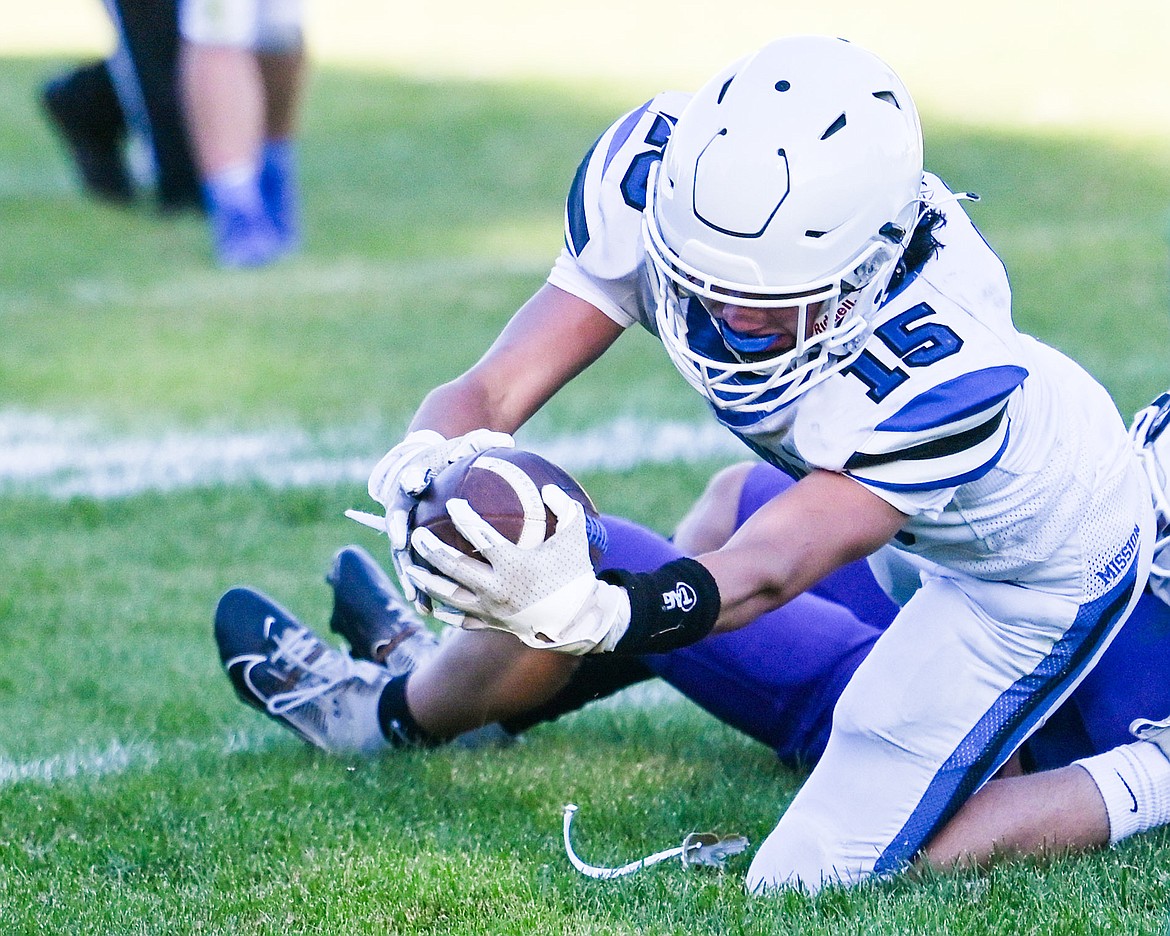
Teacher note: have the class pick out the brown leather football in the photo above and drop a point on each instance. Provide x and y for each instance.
(503, 486)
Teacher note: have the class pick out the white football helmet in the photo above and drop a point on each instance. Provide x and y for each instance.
(792, 179)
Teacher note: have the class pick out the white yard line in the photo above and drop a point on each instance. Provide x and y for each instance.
(68, 458)
(121, 757)
(115, 757)
(118, 757)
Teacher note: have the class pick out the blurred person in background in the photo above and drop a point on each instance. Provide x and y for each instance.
(241, 67)
(110, 111)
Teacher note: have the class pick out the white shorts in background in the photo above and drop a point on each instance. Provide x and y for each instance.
(258, 25)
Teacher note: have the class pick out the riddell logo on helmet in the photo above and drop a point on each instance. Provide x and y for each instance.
(681, 598)
(822, 324)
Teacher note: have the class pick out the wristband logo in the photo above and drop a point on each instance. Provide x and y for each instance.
(681, 598)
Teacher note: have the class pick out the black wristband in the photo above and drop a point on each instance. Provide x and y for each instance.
(674, 606)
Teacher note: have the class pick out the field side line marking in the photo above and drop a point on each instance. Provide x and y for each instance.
(70, 458)
(118, 757)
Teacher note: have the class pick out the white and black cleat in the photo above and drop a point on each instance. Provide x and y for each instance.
(279, 666)
(368, 611)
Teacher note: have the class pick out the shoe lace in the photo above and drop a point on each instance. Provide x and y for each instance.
(295, 648)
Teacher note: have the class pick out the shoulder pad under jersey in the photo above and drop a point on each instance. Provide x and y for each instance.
(603, 211)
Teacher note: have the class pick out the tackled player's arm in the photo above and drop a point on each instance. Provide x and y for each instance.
(551, 339)
(821, 523)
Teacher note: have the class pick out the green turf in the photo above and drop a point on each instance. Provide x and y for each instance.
(426, 227)
(433, 209)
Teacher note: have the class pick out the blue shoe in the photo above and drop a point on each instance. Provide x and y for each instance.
(283, 669)
(242, 233)
(376, 620)
(244, 239)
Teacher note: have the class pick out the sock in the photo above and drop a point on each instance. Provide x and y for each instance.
(236, 188)
(278, 188)
(1134, 782)
(396, 721)
(278, 158)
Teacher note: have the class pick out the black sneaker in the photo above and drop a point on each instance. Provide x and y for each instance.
(279, 666)
(369, 612)
(93, 129)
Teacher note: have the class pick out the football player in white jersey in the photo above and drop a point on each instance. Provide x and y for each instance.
(841, 314)
(1080, 781)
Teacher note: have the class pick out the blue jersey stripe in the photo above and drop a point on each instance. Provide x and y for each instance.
(576, 225)
(956, 399)
(935, 448)
(622, 133)
(1001, 730)
(973, 475)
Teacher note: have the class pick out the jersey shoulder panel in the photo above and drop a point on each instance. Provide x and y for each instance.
(966, 270)
(603, 211)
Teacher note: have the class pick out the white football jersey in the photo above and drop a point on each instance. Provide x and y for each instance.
(994, 444)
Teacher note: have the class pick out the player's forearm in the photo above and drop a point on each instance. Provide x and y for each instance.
(820, 524)
(749, 587)
(461, 405)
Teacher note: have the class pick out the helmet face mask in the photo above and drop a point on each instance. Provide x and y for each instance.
(790, 182)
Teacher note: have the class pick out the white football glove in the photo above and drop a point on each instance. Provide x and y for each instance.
(403, 474)
(547, 595)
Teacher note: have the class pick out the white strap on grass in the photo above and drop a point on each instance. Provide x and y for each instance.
(698, 848)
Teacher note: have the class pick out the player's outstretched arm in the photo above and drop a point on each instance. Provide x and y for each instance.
(551, 339)
(549, 597)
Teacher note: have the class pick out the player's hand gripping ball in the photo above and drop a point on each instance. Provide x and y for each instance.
(519, 549)
(503, 486)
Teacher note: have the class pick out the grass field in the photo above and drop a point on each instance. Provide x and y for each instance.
(168, 430)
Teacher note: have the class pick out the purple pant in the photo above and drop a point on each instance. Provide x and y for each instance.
(778, 679)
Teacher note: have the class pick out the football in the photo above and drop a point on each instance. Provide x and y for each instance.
(503, 486)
